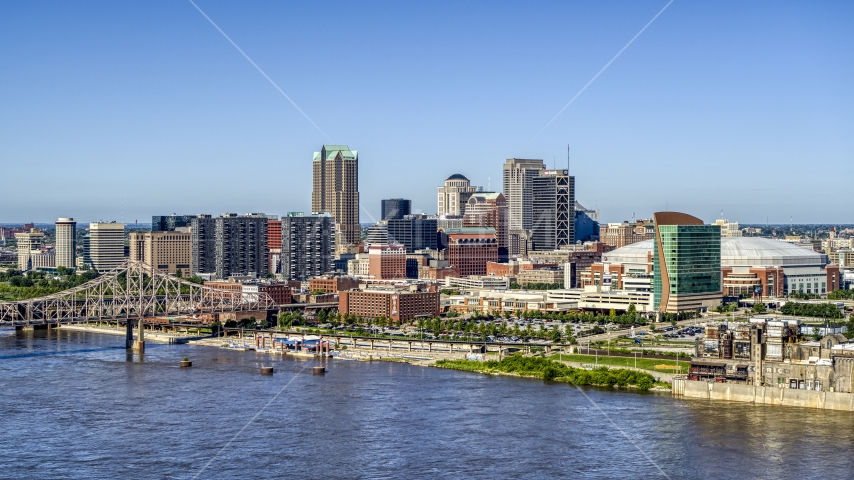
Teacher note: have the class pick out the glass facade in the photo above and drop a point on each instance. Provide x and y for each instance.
(692, 259)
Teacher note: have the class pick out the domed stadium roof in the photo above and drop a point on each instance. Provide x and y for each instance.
(766, 252)
(457, 176)
(634, 253)
(735, 252)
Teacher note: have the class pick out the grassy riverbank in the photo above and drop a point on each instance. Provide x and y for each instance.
(651, 364)
(546, 369)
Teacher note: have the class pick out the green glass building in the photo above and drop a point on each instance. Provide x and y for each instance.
(686, 264)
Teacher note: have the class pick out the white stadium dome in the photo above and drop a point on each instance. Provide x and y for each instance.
(735, 252)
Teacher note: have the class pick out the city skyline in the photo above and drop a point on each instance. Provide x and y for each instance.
(122, 102)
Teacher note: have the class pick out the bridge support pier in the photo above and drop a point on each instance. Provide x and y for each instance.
(31, 328)
(139, 344)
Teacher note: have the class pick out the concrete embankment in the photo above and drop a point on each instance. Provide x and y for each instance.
(155, 337)
(789, 397)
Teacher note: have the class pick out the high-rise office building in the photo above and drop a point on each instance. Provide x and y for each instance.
(307, 245)
(164, 252)
(415, 232)
(686, 263)
(168, 223)
(336, 190)
(377, 234)
(274, 243)
(519, 177)
(489, 209)
(230, 244)
(553, 210)
(396, 208)
(586, 223)
(106, 245)
(66, 243)
(29, 246)
(454, 194)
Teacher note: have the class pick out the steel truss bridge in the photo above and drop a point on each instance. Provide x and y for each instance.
(130, 291)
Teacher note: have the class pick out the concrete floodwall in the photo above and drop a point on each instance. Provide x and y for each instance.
(764, 395)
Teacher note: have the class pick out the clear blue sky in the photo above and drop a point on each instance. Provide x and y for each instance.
(745, 107)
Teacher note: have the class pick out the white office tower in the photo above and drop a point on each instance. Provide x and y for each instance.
(66, 242)
(519, 177)
(106, 245)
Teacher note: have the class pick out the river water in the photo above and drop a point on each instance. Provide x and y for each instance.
(77, 405)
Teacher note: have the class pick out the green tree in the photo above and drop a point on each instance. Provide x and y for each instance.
(179, 273)
(759, 308)
(555, 334)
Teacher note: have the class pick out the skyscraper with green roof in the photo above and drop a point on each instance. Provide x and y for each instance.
(335, 190)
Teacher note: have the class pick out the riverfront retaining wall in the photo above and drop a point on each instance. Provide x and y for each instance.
(790, 397)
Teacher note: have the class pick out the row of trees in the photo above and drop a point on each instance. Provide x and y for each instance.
(21, 286)
(819, 310)
(630, 317)
(841, 295)
(551, 370)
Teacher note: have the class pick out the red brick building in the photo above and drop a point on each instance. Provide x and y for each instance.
(400, 306)
(437, 273)
(387, 262)
(470, 249)
(280, 292)
(330, 284)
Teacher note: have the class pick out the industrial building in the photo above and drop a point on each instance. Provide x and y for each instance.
(774, 352)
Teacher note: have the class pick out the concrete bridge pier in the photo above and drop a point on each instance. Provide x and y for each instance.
(130, 343)
(31, 328)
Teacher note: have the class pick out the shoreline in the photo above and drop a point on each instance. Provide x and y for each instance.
(682, 389)
(349, 353)
(149, 336)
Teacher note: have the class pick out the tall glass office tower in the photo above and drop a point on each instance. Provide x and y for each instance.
(686, 263)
